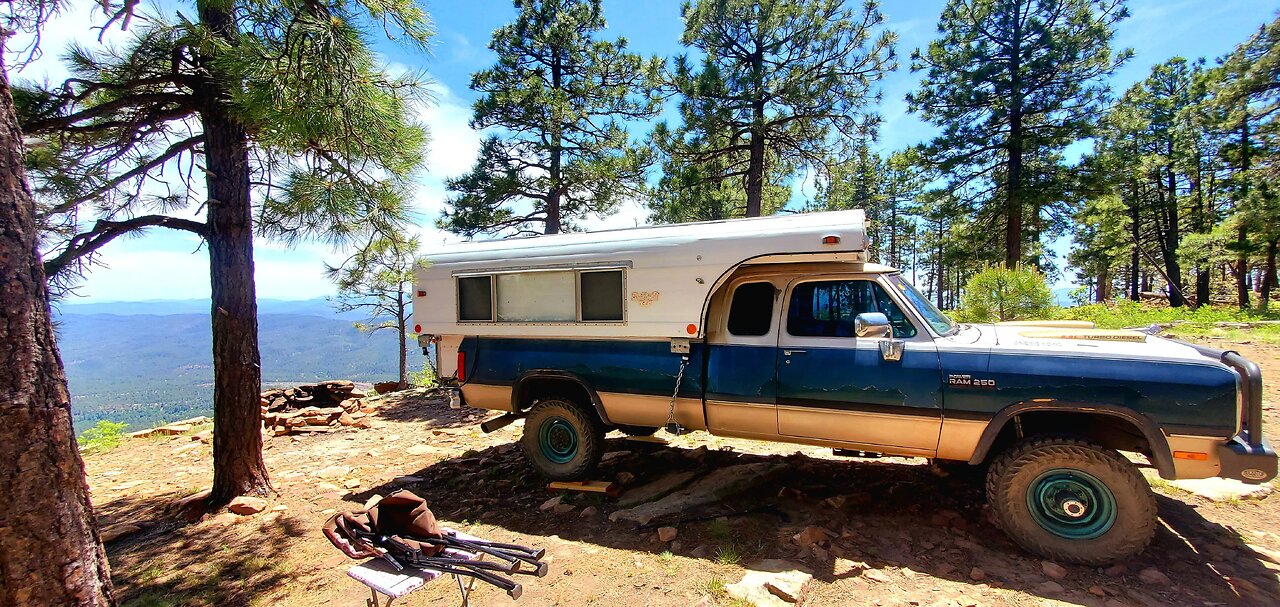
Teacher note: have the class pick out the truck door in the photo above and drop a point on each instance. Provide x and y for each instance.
(742, 360)
(833, 385)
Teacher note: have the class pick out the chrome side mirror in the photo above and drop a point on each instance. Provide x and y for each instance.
(872, 324)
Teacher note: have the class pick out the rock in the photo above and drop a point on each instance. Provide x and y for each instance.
(419, 450)
(1116, 570)
(346, 420)
(977, 574)
(720, 484)
(332, 472)
(1153, 576)
(112, 533)
(225, 519)
(407, 479)
(836, 501)
(1223, 489)
(657, 489)
(205, 436)
(812, 535)
(386, 387)
(625, 478)
(551, 503)
(666, 534)
(771, 583)
(279, 508)
(945, 569)
(613, 455)
(1097, 591)
(701, 551)
(247, 504)
(1053, 570)
(588, 512)
(1050, 587)
(351, 483)
(876, 575)
(697, 454)
(563, 508)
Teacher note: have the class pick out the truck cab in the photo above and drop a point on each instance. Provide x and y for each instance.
(780, 329)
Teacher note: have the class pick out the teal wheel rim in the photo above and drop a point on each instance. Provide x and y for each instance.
(1071, 504)
(558, 440)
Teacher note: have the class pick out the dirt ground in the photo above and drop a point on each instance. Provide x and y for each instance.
(908, 534)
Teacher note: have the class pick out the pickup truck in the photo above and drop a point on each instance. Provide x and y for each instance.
(780, 329)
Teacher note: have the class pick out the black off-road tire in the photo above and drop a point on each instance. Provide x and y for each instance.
(1012, 474)
(559, 416)
(638, 430)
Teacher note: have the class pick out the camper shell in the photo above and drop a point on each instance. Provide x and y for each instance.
(781, 329)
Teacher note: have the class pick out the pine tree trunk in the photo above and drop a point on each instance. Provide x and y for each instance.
(755, 170)
(238, 467)
(1135, 257)
(1171, 266)
(1103, 292)
(552, 225)
(1013, 186)
(50, 553)
(1268, 275)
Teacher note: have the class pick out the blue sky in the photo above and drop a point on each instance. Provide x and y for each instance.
(169, 265)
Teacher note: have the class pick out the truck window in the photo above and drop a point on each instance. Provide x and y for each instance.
(827, 308)
(601, 294)
(751, 312)
(475, 298)
(536, 297)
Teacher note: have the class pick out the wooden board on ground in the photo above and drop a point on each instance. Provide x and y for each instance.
(608, 488)
(648, 439)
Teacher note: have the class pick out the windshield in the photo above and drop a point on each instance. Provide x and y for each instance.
(930, 312)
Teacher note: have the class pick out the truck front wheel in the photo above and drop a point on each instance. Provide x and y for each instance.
(1071, 501)
(561, 440)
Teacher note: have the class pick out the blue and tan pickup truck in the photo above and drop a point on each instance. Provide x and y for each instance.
(780, 329)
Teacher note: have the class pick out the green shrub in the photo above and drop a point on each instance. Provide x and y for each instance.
(999, 294)
(1182, 322)
(102, 437)
(424, 378)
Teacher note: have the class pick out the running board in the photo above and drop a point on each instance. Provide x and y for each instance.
(853, 453)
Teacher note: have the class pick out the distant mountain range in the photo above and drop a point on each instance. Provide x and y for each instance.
(148, 362)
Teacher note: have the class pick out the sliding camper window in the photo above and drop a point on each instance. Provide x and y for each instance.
(475, 298)
(555, 296)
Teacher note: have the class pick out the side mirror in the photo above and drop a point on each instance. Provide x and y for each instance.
(872, 324)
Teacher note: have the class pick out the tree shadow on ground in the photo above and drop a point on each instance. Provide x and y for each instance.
(898, 518)
(224, 561)
(427, 405)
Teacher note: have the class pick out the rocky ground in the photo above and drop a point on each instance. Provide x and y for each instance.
(870, 532)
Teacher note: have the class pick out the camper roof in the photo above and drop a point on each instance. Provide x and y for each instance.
(733, 240)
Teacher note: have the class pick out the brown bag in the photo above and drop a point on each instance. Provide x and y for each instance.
(401, 516)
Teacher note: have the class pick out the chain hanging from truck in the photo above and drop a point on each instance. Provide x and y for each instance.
(673, 427)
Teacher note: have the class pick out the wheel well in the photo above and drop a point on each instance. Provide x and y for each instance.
(534, 389)
(1102, 429)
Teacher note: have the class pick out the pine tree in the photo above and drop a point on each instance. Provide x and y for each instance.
(557, 98)
(1011, 83)
(778, 80)
(277, 100)
(378, 281)
(50, 551)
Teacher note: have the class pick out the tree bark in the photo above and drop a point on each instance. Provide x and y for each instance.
(1135, 257)
(403, 330)
(1268, 275)
(755, 160)
(1242, 235)
(50, 553)
(238, 466)
(1013, 186)
(552, 223)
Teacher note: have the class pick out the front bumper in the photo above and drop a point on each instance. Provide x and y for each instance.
(1242, 460)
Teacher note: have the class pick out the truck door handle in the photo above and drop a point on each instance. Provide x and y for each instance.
(790, 352)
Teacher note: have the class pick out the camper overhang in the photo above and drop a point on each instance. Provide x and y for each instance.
(566, 284)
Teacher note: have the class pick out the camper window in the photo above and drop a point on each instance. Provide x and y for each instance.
(751, 312)
(542, 296)
(475, 298)
(536, 297)
(601, 294)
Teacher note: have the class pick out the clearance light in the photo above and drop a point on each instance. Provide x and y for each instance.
(417, 328)
(422, 293)
(833, 239)
(462, 366)
(1192, 455)
(691, 329)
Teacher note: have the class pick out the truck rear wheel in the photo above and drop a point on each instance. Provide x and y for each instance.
(1071, 501)
(561, 440)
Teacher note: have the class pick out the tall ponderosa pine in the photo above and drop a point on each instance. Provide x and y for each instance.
(557, 99)
(1011, 83)
(50, 552)
(378, 282)
(778, 82)
(280, 100)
